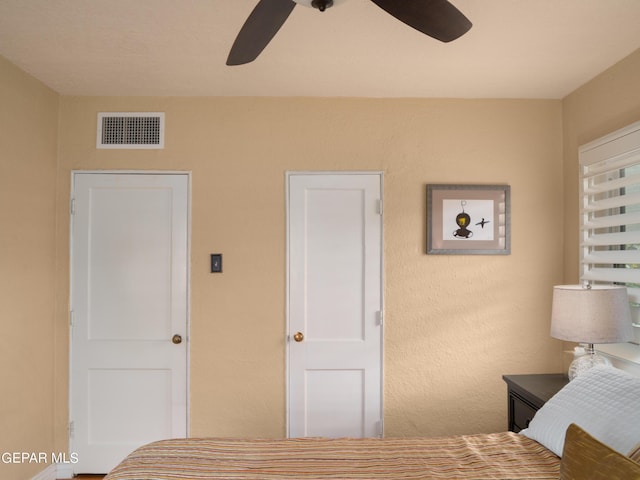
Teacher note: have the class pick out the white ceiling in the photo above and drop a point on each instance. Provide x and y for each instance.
(516, 48)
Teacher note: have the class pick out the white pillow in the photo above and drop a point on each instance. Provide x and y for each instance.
(604, 401)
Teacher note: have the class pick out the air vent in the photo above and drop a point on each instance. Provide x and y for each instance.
(130, 130)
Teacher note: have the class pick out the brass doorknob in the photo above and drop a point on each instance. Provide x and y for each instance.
(176, 339)
(298, 336)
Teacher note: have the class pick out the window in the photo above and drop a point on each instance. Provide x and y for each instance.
(610, 216)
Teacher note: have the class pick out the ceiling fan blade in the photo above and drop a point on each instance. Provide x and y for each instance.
(436, 18)
(260, 27)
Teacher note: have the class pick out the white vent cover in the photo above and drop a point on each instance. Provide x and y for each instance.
(130, 130)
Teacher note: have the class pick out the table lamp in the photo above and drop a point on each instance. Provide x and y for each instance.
(590, 314)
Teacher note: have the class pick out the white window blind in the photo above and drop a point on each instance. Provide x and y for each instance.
(610, 214)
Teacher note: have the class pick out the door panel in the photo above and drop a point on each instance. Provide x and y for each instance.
(335, 301)
(129, 297)
(134, 227)
(146, 386)
(335, 399)
(334, 295)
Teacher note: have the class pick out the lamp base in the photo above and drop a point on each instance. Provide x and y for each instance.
(584, 362)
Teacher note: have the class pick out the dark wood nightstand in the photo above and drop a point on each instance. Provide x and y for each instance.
(528, 393)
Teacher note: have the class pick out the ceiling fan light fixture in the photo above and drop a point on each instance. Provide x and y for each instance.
(322, 5)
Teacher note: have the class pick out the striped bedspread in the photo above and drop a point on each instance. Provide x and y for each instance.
(488, 456)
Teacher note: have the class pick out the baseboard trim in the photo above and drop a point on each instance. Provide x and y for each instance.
(64, 470)
(48, 473)
(55, 472)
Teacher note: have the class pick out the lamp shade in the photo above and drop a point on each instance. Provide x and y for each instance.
(592, 314)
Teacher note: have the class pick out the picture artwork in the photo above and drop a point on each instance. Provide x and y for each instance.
(469, 212)
(468, 219)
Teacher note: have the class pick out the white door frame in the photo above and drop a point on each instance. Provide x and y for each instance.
(188, 281)
(382, 304)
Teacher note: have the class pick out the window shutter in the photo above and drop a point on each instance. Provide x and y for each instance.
(610, 213)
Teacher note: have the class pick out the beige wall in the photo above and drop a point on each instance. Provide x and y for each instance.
(454, 324)
(28, 139)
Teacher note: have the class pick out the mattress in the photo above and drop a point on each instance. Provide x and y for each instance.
(503, 455)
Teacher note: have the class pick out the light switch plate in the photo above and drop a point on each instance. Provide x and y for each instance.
(216, 263)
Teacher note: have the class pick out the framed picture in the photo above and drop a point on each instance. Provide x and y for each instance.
(468, 219)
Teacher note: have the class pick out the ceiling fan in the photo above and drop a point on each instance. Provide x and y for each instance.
(437, 18)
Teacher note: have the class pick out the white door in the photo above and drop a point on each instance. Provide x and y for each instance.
(335, 305)
(129, 256)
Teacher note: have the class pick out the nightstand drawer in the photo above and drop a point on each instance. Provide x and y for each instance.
(522, 413)
(528, 393)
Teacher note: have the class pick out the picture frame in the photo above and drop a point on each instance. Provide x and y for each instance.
(468, 219)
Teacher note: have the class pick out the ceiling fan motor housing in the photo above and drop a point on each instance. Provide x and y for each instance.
(315, 3)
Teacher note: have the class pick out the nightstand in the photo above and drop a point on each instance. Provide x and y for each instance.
(528, 393)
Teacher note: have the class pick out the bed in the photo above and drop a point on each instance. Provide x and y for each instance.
(503, 455)
(600, 407)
